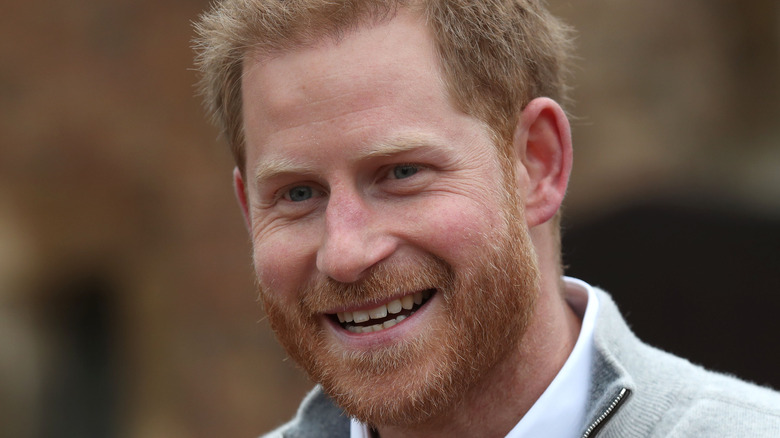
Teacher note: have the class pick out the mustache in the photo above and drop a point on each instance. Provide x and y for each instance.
(382, 281)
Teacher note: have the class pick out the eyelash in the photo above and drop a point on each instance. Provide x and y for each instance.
(283, 193)
(418, 168)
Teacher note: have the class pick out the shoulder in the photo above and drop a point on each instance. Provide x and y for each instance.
(719, 405)
(691, 401)
(317, 417)
(672, 397)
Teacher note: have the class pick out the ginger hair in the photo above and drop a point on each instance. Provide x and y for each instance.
(495, 55)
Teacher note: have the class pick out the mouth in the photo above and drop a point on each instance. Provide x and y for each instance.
(385, 315)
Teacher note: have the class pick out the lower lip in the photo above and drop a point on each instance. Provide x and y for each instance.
(385, 336)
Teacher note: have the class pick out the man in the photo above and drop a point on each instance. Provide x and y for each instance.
(400, 166)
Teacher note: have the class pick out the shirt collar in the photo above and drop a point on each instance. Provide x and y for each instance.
(560, 410)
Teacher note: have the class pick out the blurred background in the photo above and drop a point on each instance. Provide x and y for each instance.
(127, 305)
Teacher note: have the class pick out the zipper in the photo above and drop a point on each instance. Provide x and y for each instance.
(611, 409)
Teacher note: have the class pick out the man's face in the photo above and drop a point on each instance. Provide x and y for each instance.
(389, 243)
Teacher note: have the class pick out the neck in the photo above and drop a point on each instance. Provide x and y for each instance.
(493, 406)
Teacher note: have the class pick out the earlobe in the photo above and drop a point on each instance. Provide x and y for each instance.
(542, 141)
(239, 189)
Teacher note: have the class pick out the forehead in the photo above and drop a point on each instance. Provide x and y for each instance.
(340, 97)
(370, 63)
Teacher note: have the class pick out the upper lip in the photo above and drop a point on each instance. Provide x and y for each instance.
(373, 304)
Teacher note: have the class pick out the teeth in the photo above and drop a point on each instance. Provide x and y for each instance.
(345, 317)
(394, 307)
(378, 313)
(360, 316)
(376, 327)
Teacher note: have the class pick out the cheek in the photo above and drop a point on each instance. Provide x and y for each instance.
(280, 263)
(454, 230)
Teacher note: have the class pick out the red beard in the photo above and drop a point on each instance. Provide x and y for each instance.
(487, 306)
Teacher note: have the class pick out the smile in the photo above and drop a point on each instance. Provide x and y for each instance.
(384, 316)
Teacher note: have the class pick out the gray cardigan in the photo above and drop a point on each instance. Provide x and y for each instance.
(637, 391)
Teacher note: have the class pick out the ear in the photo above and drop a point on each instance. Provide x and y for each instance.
(542, 141)
(240, 190)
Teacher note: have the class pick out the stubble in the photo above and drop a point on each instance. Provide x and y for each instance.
(486, 307)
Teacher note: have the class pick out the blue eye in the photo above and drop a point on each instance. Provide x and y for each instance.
(404, 171)
(300, 193)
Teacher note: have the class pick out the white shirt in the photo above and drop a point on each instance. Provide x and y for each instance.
(560, 410)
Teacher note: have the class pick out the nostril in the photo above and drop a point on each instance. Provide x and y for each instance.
(343, 269)
(347, 261)
(355, 238)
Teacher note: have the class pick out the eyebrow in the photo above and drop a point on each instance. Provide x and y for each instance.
(273, 168)
(400, 145)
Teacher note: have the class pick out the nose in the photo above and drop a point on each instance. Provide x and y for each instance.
(354, 240)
